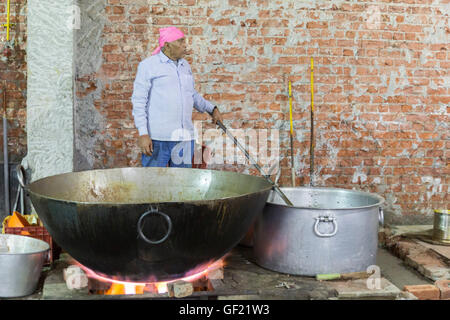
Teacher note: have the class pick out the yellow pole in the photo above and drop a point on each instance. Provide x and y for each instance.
(291, 135)
(290, 106)
(312, 85)
(8, 12)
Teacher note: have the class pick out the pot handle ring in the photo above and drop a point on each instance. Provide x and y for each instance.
(325, 219)
(381, 216)
(140, 222)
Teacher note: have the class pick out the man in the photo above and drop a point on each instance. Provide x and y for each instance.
(163, 98)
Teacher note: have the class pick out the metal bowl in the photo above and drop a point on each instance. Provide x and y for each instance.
(21, 260)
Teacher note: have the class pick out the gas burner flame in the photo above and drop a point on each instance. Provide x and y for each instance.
(133, 287)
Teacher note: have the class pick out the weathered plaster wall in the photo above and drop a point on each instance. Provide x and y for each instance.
(50, 55)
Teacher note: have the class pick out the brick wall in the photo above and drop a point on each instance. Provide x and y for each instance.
(381, 85)
(13, 71)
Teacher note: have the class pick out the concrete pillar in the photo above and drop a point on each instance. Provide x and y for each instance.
(50, 92)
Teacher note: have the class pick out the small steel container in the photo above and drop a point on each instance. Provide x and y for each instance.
(441, 226)
(21, 260)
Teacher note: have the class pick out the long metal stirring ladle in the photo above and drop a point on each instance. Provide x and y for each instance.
(255, 164)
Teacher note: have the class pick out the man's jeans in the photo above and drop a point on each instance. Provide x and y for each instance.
(175, 153)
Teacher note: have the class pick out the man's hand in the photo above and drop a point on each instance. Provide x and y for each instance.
(216, 116)
(145, 144)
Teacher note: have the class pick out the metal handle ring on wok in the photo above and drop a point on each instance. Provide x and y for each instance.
(141, 219)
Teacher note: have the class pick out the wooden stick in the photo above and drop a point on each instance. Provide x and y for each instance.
(343, 276)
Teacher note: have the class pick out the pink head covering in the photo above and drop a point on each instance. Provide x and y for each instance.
(168, 35)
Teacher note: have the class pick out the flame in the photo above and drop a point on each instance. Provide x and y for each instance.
(116, 289)
(161, 287)
(126, 287)
(129, 288)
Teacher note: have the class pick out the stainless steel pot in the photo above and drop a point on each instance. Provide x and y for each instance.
(441, 226)
(21, 260)
(327, 231)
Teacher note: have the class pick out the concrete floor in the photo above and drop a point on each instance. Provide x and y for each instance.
(392, 268)
(397, 272)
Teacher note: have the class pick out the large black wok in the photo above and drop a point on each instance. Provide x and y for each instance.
(148, 224)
